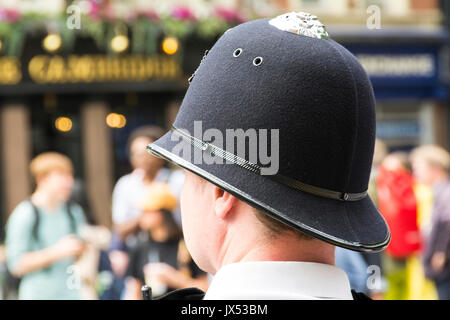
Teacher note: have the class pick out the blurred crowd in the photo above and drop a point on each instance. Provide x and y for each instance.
(54, 249)
(412, 191)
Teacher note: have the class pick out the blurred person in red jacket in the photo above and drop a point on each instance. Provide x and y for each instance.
(431, 165)
(397, 203)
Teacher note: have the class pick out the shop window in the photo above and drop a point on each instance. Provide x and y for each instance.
(55, 126)
(138, 110)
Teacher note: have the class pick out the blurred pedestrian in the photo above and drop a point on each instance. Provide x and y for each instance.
(354, 266)
(131, 189)
(161, 259)
(112, 269)
(420, 287)
(379, 154)
(431, 165)
(373, 259)
(42, 233)
(398, 205)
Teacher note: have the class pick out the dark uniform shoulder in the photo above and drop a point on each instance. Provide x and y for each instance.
(359, 296)
(197, 294)
(183, 294)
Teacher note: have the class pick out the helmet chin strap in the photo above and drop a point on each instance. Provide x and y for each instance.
(290, 182)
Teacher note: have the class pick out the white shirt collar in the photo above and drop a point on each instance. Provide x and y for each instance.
(279, 280)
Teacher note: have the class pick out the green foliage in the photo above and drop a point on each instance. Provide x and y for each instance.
(145, 36)
(145, 33)
(95, 30)
(13, 38)
(211, 27)
(176, 28)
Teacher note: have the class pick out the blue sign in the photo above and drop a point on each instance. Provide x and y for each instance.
(402, 70)
(398, 129)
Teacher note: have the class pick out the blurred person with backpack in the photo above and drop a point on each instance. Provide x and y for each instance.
(431, 165)
(42, 242)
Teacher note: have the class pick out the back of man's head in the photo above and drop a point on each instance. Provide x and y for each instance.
(220, 229)
(430, 163)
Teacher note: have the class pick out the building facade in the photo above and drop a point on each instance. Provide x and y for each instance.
(82, 92)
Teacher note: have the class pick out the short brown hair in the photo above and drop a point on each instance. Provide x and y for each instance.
(277, 228)
(433, 155)
(274, 227)
(46, 162)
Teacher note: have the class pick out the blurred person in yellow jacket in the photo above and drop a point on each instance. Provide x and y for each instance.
(420, 288)
(43, 233)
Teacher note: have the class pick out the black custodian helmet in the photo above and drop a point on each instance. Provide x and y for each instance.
(287, 74)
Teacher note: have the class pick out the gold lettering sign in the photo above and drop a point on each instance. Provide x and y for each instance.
(101, 68)
(10, 70)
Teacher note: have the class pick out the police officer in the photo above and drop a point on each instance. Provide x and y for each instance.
(263, 210)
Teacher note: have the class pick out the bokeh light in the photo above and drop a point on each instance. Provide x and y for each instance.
(63, 124)
(116, 120)
(119, 43)
(52, 42)
(170, 45)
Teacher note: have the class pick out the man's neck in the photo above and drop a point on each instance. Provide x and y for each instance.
(277, 249)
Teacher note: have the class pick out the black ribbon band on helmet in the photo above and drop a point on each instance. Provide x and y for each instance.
(292, 183)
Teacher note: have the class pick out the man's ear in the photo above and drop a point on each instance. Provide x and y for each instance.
(223, 202)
